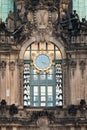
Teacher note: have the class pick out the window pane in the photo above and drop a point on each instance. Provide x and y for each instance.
(36, 98)
(42, 46)
(43, 76)
(81, 8)
(43, 90)
(36, 104)
(58, 55)
(34, 46)
(50, 46)
(43, 98)
(35, 76)
(5, 7)
(43, 104)
(51, 53)
(26, 55)
(50, 104)
(35, 90)
(50, 98)
(50, 90)
(50, 74)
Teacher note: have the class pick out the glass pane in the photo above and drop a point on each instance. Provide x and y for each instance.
(50, 46)
(51, 53)
(42, 46)
(36, 104)
(80, 6)
(26, 55)
(28, 48)
(50, 74)
(34, 46)
(57, 49)
(43, 77)
(43, 98)
(43, 90)
(36, 98)
(50, 98)
(58, 55)
(33, 54)
(50, 90)
(5, 7)
(35, 76)
(43, 104)
(36, 90)
(50, 104)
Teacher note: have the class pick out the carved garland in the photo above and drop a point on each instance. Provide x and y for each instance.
(3, 67)
(82, 65)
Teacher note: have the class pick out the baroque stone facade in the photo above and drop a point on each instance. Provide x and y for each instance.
(40, 21)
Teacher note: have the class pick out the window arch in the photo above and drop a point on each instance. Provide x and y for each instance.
(42, 86)
(81, 8)
(5, 7)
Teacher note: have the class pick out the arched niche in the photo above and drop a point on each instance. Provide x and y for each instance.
(27, 43)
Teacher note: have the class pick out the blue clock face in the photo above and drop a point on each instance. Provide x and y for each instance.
(42, 62)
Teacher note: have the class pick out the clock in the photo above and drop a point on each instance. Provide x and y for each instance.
(42, 62)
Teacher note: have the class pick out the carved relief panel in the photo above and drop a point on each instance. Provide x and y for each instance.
(38, 19)
(42, 18)
(43, 123)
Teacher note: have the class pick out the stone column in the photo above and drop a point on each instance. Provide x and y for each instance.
(66, 86)
(82, 66)
(20, 86)
(3, 79)
(3, 128)
(14, 128)
(8, 85)
(83, 128)
(72, 128)
(12, 81)
(72, 66)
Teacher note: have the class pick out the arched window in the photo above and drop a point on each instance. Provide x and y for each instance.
(81, 8)
(42, 75)
(5, 7)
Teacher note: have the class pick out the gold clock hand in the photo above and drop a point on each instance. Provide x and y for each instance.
(44, 62)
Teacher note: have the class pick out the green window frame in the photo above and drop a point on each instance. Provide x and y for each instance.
(42, 89)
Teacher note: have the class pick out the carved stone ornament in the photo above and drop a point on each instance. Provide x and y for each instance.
(30, 16)
(38, 19)
(73, 64)
(42, 18)
(12, 65)
(3, 64)
(42, 22)
(73, 67)
(3, 67)
(82, 66)
(64, 64)
(43, 123)
(21, 66)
